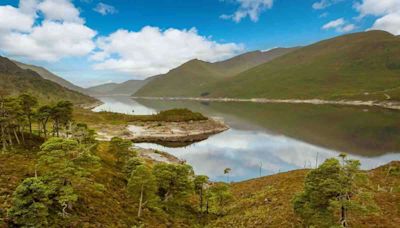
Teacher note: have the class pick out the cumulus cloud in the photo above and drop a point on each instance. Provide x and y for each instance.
(44, 30)
(248, 8)
(322, 4)
(387, 11)
(340, 25)
(152, 51)
(105, 9)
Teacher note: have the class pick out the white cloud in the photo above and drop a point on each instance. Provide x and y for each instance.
(249, 8)
(322, 4)
(44, 30)
(152, 51)
(340, 25)
(105, 9)
(387, 11)
(13, 19)
(390, 23)
(62, 10)
(333, 24)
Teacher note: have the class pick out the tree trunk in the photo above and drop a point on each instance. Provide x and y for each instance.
(16, 136)
(343, 216)
(45, 129)
(57, 129)
(207, 205)
(9, 138)
(3, 138)
(22, 135)
(201, 199)
(30, 124)
(140, 202)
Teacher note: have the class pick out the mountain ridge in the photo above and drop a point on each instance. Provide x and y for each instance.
(194, 77)
(15, 80)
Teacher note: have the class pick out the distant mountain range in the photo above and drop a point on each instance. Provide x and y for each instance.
(358, 66)
(50, 76)
(195, 77)
(126, 88)
(15, 80)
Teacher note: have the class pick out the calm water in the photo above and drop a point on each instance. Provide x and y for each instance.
(270, 138)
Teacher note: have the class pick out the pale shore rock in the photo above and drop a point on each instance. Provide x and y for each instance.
(161, 132)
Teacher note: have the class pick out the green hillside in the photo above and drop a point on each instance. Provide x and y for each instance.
(126, 88)
(15, 80)
(50, 76)
(362, 66)
(195, 77)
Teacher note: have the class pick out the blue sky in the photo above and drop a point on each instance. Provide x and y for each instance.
(91, 42)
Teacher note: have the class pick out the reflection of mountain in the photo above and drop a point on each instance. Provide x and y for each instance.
(359, 131)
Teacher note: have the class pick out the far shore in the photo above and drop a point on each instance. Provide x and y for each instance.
(383, 104)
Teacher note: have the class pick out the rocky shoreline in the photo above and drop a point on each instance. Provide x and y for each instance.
(163, 132)
(383, 104)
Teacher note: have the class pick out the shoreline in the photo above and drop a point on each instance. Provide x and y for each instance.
(382, 104)
(162, 132)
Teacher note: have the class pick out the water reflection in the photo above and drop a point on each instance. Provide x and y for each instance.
(123, 105)
(245, 151)
(274, 137)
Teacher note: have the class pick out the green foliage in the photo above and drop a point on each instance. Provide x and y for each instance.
(131, 165)
(220, 196)
(83, 134)
(142, 186)
(174, 181)
(331, 189)
(200, 187)
(66, 165)
(121, 148)
(31, 201)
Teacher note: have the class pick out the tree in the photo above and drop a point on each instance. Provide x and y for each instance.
(120, 148)
(226, 172)
(131, 165)
(220, 196)
(28, 102)
(330, 191)
(174, 181)
(83, 134)
(200, 186)
(61, 114)
(67, 165)
(43, 115)
(30, 203)
(142, 185)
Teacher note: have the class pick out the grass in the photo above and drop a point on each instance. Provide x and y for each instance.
(266, 201)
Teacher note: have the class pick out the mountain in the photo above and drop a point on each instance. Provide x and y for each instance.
(126, 88)
(15, 80)
(193, 78)
(44, 73)
(359, 66)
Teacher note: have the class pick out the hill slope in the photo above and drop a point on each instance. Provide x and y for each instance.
(362, 66)
(126, 88)
(50, 76)
(15, 80)
(195, 77)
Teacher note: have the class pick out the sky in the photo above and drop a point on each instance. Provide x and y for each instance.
(90, 42)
